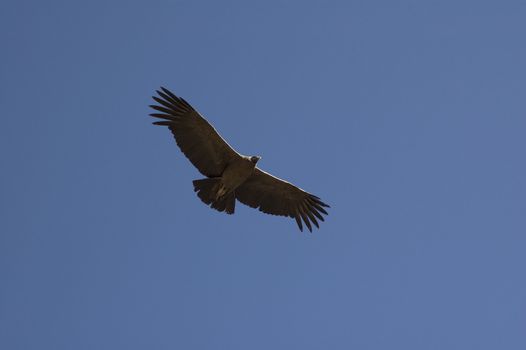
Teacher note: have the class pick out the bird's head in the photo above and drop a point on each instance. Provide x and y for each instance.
(255, 159)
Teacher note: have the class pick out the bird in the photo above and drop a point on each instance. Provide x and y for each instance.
(231, 176)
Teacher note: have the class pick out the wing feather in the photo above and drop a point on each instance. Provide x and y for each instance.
(308, 211)
(317, 206)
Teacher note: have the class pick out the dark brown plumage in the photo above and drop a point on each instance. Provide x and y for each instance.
(230, 175)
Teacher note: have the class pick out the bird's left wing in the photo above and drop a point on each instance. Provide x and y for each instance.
(279, 197)
(196, 137)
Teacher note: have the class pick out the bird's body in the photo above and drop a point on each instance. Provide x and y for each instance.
(237, 173)
(220, 191)
(230, 175)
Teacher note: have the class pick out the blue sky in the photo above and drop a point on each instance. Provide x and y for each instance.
(407, 117)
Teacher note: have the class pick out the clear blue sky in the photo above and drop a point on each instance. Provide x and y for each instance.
(407, 117)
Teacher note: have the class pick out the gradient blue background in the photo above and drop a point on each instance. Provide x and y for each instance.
(408, 117)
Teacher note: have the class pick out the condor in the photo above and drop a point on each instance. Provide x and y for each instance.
(230, 175)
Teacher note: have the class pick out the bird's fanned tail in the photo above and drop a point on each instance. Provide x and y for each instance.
(207, 190)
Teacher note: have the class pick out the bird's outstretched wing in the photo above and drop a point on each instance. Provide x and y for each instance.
(198, 140)
(278, 197)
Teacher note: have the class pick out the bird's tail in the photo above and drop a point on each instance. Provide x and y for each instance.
(209, 191)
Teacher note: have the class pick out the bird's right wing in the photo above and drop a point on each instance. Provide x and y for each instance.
(279, 197)
(198, 140)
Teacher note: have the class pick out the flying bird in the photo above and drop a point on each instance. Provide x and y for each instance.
(230, 175)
